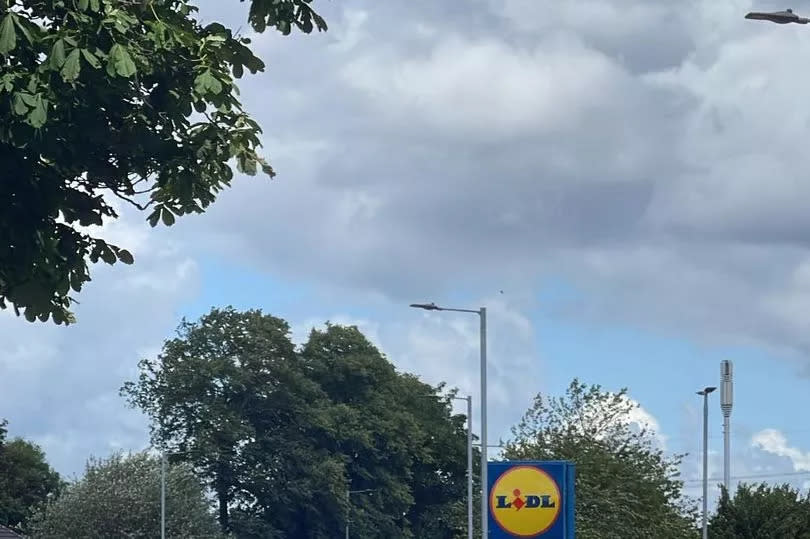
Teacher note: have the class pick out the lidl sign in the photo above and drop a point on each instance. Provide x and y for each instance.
(531, 499)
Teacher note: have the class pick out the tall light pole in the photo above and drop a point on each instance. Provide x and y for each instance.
(469, 468)
(163, 494)
(779, 17)
(349, 504)
(726, 402)
(705, 394)
(482, 314)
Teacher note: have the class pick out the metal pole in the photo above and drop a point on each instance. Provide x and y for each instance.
(470, 525)
(484, 487)
(705, 463)
(348, 510)
(727, 453)
(726, 404)
(163, 494)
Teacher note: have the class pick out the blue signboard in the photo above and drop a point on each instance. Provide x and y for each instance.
(531, 499)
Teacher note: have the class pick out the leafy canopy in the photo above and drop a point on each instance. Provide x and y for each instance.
(114, 100)
(762, 512)
(625, 485)
(26, 480)
(280, 433)
(119, 497)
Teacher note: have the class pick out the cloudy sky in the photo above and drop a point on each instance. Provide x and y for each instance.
(623, 184)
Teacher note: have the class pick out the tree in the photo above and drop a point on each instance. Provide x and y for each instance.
(120, 497)
(201, 388)
(762, 512)
(282, 434)
(105, 100)
(625, 485)
(26, 480)
(399, 439)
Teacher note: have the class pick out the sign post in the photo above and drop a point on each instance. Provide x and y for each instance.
(531, 499)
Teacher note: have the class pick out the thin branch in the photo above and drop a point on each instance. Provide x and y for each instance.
(138, 205)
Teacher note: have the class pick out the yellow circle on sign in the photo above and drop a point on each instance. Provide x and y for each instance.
(525, 501)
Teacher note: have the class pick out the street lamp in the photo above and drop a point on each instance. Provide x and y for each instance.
(163, 494)
(482, 314)
(779, 17)
(349, 503)
(705, 394)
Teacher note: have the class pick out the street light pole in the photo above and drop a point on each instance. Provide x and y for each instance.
(469, 469)
(163, 494)
(482, 314)
(705, 394)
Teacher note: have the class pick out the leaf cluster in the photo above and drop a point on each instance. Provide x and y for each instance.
(104, 101)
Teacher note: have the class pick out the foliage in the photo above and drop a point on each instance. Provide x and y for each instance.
(281, 434)
(762, 512)
(26, 480)
(398, 440)
(120, 497)
(625, 486)
(102, 100)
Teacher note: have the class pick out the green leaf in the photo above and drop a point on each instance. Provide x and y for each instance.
(19, 104)
(57, 57)
(108, 256)
(25, 26)
(125, 256)
(84, 4)
(72, 68)
(8, 35)
(30, 100)
(94, 5)
(238, 70)
(76, 282)
(121, 61)
(38, 115)
(153, 218)
(91, 58)
(167, 216)
(206, 82)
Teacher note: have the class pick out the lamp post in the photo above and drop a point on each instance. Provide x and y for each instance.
(468, 398)
(163, 494)
(779, 17)
(349, 502)
(705, 394)
(482, 314)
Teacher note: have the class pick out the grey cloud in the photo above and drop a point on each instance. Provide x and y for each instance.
(425, 149)
(668, 187)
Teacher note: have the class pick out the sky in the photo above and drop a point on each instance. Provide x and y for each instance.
(622, 184)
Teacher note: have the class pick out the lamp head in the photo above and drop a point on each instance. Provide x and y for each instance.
(779, 17)
(426, 306)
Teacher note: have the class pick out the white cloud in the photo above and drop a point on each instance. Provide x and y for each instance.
(774, 442)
